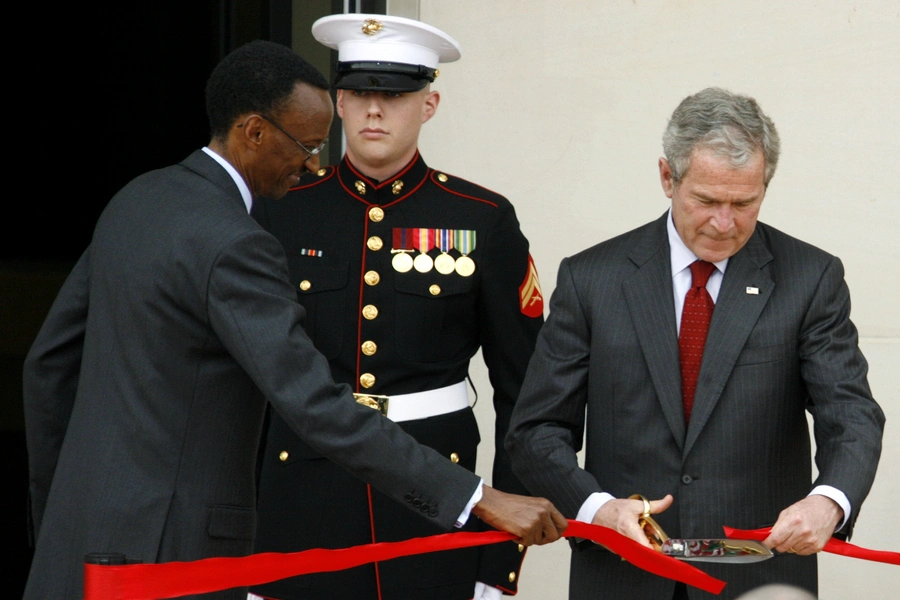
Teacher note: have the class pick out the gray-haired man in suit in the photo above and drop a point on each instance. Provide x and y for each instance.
(693, 380)
(145, 389)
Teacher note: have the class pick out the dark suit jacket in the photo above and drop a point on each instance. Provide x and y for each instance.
(607, 360)
(145, 389)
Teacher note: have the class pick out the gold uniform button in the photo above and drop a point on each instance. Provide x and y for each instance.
(283, 456)
(369, 347)
(372, 277)
(370, 311)
(512, 577)
(375, 243)
(305, 285)
(454, 457)
(521, 548)
(434, 290)
(367, 380)
(442, 178)
(321, 172)
(376, 214)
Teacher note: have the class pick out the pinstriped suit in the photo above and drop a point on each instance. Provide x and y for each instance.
(607, 361)
(145, 389)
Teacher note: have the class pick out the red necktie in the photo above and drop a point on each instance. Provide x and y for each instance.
(698, 309)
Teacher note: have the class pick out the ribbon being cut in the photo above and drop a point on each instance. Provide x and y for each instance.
(170, 580)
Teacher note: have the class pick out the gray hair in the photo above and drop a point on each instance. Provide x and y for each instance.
(730, 125)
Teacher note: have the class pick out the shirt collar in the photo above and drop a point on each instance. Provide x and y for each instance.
(238, 180)
(681, 255)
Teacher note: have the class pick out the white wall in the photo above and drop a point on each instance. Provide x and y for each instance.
(560, 106)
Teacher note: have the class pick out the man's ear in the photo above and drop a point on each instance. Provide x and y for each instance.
(432, 99)
(251, 129)
(666, 178)
(340, 103)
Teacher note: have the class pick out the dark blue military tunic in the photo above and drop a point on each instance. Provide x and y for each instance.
(390, 332)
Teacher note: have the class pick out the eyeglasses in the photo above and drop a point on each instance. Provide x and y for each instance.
(309, 153)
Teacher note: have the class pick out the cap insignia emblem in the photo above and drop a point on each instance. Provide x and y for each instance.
(396, 187)
(371, 27)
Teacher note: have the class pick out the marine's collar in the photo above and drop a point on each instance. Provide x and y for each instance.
(391, 190)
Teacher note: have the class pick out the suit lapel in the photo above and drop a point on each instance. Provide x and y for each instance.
(734, 317)
(649, 295)
(205, 166)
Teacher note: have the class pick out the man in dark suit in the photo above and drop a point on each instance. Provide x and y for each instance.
(708, 415)
(146, 387)
(405, 272)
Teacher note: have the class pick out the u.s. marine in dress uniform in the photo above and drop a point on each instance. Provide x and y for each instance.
(405, 272)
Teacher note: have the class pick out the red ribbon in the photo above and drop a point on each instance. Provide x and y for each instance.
(834, 546)
(169, 580)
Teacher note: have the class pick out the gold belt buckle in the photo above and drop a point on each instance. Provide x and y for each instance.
(379, 403)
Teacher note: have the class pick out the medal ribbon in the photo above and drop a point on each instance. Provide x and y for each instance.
(402, 238)
(464, 239)
(834, 546)
(444, 239)
(423, 239)
(169, 580)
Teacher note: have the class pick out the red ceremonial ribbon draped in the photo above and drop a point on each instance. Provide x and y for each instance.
(170, 580)
(834, 546)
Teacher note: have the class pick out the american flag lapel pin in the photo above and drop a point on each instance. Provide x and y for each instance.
(752, 290)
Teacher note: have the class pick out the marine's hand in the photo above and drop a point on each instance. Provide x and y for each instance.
(533, 520)
(621, 515)
(805, 526)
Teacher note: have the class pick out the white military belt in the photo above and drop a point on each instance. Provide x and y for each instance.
(418, 405)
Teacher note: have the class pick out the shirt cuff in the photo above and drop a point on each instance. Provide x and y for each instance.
(836, 495)
(591, 506)
(475, 499)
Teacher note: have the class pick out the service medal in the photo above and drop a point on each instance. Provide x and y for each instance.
(444, 264)
(403, 244)
(402, 261)
(423, 263)
(465, 266)
(464, 241)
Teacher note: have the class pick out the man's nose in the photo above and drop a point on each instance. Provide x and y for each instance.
(723, 217)
(312, 163)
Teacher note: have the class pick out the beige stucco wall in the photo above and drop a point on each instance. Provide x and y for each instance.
(560, 106)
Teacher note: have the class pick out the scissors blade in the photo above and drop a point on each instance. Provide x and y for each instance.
(716, 550)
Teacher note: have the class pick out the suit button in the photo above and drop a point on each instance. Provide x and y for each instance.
(424, 508)
(369, 348)
(433, 512)
(305, 285)
(367, 380)
(283, 456)
(372, 277)
(374, 243)
(454, 457)
(321, 172)
(512, 576)
(521, 548)
(686, 479)
(408, 497)
(376, 214)
(442, 178)
(417, 503)
(370, 311)
(434, 290)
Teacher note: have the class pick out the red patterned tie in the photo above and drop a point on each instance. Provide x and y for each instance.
(698, 309)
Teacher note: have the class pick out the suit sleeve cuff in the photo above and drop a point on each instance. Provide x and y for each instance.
(591, 506)
(836, 495)
(475, 499)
